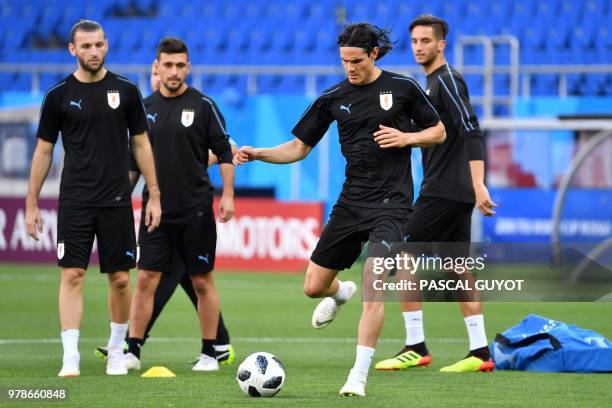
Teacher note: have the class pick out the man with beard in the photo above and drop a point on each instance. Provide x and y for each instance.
(177, 275)
(94, 109)
(185, 124)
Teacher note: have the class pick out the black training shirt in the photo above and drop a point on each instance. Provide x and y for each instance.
(446, 169)
(94, 119)
(182, 130)
(375, 177)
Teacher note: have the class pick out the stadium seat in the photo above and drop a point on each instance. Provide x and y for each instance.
(544, 84)
(575, 84)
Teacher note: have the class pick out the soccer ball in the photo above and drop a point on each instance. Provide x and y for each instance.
(261, 375)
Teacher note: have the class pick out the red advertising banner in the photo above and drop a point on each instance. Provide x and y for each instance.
(264, 235)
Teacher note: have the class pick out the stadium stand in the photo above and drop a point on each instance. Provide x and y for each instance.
(300, 32)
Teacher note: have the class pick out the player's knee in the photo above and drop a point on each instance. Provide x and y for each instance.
(201, 285)
(119, 280)
(313, 290)
(147, 281)
(373, 307)
(73, 277)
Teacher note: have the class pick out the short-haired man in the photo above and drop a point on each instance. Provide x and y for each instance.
(184, 124)
(453, 181)
(93, 109)
(224, 351)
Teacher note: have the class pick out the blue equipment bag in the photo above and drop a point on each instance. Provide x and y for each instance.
(541, 344)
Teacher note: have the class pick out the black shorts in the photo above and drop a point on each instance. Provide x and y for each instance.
(349, 227)
(195, 242)
(114, 228)
(443, 221)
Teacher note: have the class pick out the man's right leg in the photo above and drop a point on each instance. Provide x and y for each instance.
(168, 283)
(71, 314)
(75, 236)
(156, 249)
(224, 351)
(322, 282)
(338, 247)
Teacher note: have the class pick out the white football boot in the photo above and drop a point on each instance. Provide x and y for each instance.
(326, 310)
(70, 367)
(355, 384)
(115, 362)
(131, 362)
(206, 363)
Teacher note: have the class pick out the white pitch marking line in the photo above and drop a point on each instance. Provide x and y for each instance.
(235, 339)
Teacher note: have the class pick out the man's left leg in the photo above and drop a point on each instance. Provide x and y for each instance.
(386, 230)
(224, 351)
(370, 326)
(197, 247)
(117, 252)
(479, 356)
(208, 313)
(119, 299)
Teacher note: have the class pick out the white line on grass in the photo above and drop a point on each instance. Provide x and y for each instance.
(236, 339)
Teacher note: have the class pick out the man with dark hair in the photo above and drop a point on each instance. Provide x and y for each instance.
(184, 124)
(93, 109)
(224, 351)
(88, 26)
(453, 181)
(373, 109)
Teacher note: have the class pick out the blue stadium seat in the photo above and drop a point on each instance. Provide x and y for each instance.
(475, 84)
(145, 6)
(327, 81)
(167, 11)
(47, 80)
(575, 84)
(544, 84)
(238, 39)
(501, 84)
(268, 83)
(22, 82)
(501, 110)
(570, 11)
(594, 84)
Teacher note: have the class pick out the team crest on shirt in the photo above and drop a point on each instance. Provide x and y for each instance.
(386, 100)
(60, 250)
(187, 117)
(113, 99)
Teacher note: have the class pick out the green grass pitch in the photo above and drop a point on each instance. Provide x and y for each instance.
(268, 312)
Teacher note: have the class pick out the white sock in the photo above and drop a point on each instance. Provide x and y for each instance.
(70, 343)
(363, 359)
(476, 331)
(342, 294)
(117, 336)
(414, 327)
